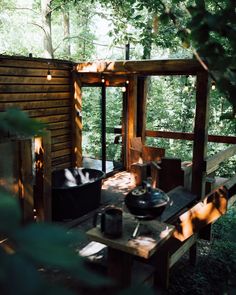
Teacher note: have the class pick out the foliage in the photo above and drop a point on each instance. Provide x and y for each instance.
(16, 123)
(92, 122)
(206, 27)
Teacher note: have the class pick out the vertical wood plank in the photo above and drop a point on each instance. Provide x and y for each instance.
(124, 127)
(103, 135)
(193, 254)
(47, 174)
(38, 185)
(119, 266)
(131, 116)
(162, 271)
(142, 88)
(77, 122)
(26, 179)
(200, 136)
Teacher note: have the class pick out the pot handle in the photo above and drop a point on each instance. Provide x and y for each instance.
(96, 216)
(147, 185)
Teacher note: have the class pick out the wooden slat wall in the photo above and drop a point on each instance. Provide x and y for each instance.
(23, 84)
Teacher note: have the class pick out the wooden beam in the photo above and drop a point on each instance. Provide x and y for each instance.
(215, 160)
(103, 130)
(94, 79)
(29, 62)
(200, 136)
(189, 136)
(131, 116)
(182, 250)
(203, 213)
(77, 122)
(147, 67)
(141, 106)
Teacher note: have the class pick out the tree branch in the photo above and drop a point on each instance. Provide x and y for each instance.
(24, 8)
(37, 25)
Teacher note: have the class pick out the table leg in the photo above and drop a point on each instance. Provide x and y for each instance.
(120, 266)
(162, 272)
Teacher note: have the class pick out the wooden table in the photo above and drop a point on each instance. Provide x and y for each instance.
(122, 251)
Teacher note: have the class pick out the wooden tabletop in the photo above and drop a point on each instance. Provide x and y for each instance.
(151, 235)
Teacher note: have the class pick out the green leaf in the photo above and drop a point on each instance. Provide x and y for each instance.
(15, 269)
(137, 17)
(200, 3)
(164, 18)
(10, 213)
(54, 247)
(16, 122)
(48, 244)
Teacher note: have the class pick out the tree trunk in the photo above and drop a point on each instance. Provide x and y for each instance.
(46, 20)
(66, 25)
(147, 46)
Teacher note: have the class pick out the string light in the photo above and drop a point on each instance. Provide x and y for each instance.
(127, 81)
(35, 214)
(49, 76)
(213, 85)
(123, 89)
(103, 79)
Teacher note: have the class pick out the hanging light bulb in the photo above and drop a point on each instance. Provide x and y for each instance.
(49, 76)
(123, 89)
(213, 85)
(103, 79)
(127, 81)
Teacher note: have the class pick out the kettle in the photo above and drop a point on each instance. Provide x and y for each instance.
(146, 202)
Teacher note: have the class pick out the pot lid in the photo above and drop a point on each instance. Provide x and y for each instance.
(146, 197)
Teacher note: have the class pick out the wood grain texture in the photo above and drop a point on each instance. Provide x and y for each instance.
(142, 246)
(23, 85)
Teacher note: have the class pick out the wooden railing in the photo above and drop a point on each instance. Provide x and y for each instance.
(213, 162)
(189, 136)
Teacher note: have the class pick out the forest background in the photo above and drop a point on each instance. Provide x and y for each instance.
(92, 30)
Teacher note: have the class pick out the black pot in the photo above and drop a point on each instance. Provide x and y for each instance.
(146, 202)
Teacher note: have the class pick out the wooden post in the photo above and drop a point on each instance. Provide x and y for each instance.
(131, 116)
(26, 179)
(42, 187)
(77, 123)
(103, 135)
(200, 136)
(162, 270)
(127, 51)
(142, 88)
(119, 266)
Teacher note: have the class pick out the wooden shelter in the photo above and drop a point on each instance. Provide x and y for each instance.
(118, 73)
(58, 104)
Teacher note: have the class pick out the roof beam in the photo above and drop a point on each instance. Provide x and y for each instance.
(143, 67)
